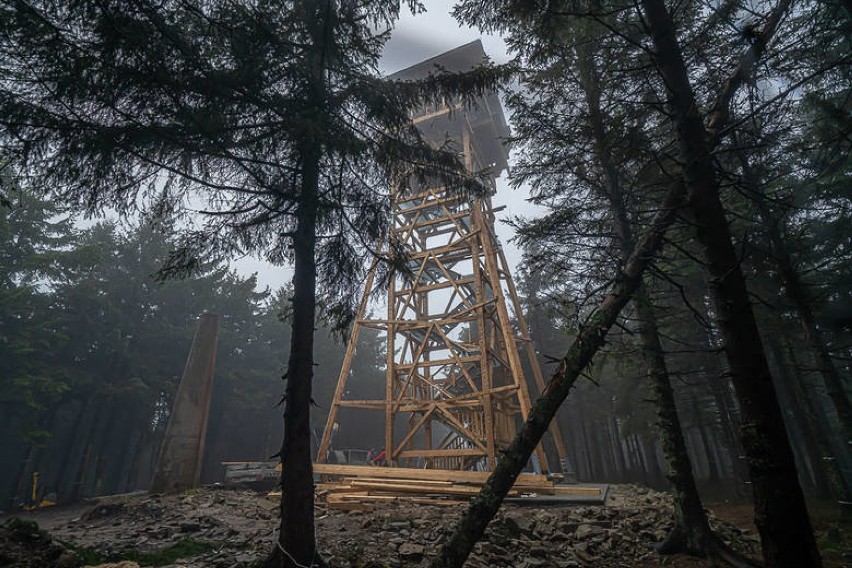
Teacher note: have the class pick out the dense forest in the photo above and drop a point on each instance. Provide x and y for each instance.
(687, 281)
(93, 347)
(60, 279)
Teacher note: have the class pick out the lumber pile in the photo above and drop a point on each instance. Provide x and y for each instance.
(352, 487)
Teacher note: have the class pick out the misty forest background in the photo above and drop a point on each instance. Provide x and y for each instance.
(92, 342)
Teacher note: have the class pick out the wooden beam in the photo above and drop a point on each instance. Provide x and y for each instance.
(404, 488)
(421, 474)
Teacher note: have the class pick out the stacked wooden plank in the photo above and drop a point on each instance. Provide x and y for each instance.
(351, 487)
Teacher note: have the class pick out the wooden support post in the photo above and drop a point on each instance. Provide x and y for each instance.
(454, 360)
(322, 453)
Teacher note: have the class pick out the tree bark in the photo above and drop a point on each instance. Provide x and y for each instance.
(297, 539)
(800, 296)
(802, 428)
(296, 546)
(484, 506)
(729, 423)
(691, 532)
(822, 432)
(781, 516)
(713, 470)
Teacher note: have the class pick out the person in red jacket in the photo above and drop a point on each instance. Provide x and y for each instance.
(381, 459)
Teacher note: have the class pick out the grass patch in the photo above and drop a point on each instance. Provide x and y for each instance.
(831, 545)
(168, 555)
(87, 555)
(26, 530)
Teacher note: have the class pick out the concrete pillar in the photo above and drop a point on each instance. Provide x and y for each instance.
(179, 463)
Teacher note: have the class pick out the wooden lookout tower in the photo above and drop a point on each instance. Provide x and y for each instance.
(458, 348)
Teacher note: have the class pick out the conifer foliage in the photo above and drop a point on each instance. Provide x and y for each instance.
(263, 122)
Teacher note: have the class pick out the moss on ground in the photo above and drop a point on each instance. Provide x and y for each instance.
(181, 549)
(184, 548)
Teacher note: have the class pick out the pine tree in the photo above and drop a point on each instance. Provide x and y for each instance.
(33, 234)
(669, 63)
(267, 118)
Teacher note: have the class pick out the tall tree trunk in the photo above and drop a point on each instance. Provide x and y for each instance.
(23, 488)
(297, 539)
(691, 532)
(706, 445)
(484, 506)
(129, 460)
(649, 449)
(71, 488)
(93, 486)
(94, 449)
(590, 458)
(820, 435)
(640, 465)
(296, 547)
(75, 408)
(800, 427)
(730, 425)
(619, 462)
(800, 296)
(781, 516)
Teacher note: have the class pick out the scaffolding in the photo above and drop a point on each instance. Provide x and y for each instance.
(458, 347)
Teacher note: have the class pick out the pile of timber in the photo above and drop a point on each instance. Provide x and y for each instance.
(356, 487)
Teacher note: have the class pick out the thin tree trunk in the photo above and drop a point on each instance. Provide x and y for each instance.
(691, 532)
(297, 539)
(23, 488)
(799, 426)
(76, 408)
(798, 293)
(641, 465)
(701, 427)
(818, 438)
(649, 448)
(69, 487)
(484, 506)
(93, 479)
(94, 440)
(588, 459)
(296, 546)
(619, 462)
(730, 424)
(130, 459)
(780, 513)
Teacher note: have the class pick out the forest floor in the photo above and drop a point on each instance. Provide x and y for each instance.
(219, 527)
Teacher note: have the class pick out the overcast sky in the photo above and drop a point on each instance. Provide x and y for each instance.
(420, 37)
(414, 39)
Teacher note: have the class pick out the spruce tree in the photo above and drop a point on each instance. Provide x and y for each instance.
(264, 123)
(700, 186)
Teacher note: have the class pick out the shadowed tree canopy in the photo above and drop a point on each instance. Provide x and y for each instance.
(684, 78)
(205, 108)
(264, 123)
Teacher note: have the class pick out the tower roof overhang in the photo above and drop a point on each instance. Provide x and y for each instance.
(486, 118)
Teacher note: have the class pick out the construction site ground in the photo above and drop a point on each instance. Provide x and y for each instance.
(218, 527)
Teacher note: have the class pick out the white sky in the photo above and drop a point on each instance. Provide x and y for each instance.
(415, 39)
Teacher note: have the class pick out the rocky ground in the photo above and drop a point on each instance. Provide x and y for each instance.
(229, 528)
